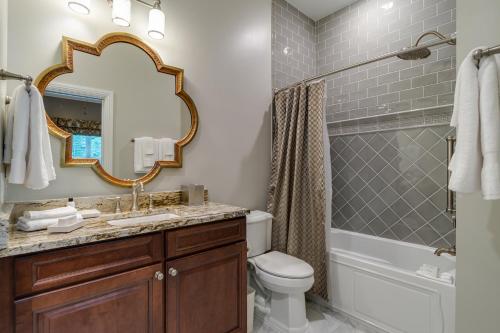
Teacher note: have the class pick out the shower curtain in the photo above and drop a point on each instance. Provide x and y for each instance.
(297, 191)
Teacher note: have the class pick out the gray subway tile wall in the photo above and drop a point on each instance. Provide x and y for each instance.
(368, 29)
(293, 45)
(386, 119)
(393, 184)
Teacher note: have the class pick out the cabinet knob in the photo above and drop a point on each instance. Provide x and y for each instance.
(172, 271)
(159, 276)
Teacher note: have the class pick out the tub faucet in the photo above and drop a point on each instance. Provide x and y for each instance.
(451, 251)
(135, 195)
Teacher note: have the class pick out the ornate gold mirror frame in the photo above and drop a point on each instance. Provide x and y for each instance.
(68, 46)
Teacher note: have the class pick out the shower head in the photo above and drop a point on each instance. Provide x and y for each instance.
(416, 53)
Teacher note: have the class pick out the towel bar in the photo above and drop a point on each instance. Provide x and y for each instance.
(450, 195)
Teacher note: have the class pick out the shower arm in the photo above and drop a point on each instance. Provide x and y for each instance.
(438, 35)
(448, 40)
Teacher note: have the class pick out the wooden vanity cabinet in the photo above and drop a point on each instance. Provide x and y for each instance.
(126, 302)
(207, 292)
(143, 284)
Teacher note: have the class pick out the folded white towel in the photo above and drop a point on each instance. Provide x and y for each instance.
(148, 146)
(27, 142)
(143, 160)
(50, 213)
(447, 277)
(466, 163)
(489, 110)
(25, 224)
(429, 270)
(69, 220)
(166, 149)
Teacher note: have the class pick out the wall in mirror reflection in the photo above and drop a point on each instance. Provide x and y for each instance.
(143, 104)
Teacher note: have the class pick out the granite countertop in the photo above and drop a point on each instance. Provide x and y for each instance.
(97, 229)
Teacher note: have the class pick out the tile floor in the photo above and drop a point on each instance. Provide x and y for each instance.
(322, 320)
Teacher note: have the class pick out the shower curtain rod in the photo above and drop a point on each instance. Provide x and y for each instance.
(449, 40)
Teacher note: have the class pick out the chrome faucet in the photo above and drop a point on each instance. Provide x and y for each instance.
(452, 251)
(136, 194)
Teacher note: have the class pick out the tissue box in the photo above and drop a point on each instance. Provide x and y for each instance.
(193, 195)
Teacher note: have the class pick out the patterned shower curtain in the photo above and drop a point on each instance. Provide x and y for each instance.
(297, 190)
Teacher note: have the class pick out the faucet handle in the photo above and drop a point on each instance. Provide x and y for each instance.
(118, 208)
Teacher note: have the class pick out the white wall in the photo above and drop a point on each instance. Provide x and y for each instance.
(3, 85)
(478, 221)
(224, 47)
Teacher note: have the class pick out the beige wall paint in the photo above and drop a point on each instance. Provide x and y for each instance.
(3, 85)
(478, 221)
(224, 47)
(72, 109)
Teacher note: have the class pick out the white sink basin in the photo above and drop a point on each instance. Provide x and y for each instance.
(132, 221)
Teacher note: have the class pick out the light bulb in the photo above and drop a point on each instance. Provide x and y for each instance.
(156, 26)
(121, 12)
(80, 6)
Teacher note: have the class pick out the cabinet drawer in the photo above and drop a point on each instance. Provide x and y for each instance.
(59, 268)
(198, 238)
(132, 301)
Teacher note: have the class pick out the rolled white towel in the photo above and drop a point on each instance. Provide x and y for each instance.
(50, 213)
(25, 224)
(68, 220)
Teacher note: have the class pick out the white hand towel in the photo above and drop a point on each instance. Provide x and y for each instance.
(25, 224)
(27, 142)
(466, 163)
(143, 161)
(166, 149)
(148, 147)
(17, 134)
(19, 92)
(489, 109)
(40, 168)
(50, 213)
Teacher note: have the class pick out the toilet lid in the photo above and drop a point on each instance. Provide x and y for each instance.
(283, 265)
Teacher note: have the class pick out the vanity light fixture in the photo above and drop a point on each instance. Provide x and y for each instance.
(156, 26)
(80, 6)
(121, 14)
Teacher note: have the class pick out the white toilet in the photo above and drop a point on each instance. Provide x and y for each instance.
(286, 277)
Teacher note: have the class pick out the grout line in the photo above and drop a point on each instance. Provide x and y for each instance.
(390, 129)
(432, 108)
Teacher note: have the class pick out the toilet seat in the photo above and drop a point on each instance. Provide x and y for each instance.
(283, 265)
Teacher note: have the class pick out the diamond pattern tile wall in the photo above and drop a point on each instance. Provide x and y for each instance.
(393, 184)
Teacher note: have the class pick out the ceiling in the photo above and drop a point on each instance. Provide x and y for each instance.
(317, 9)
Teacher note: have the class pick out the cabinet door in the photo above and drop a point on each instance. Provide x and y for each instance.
(129, 302)
(206, 292)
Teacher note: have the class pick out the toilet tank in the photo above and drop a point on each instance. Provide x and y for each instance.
(259, 228)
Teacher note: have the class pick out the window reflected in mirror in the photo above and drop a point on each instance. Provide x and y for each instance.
(80, 118)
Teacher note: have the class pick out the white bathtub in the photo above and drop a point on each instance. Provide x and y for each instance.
(373, 279)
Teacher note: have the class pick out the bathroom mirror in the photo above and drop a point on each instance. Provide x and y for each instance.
(118, 108)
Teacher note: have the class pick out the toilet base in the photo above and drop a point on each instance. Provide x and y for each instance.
(288, 313)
